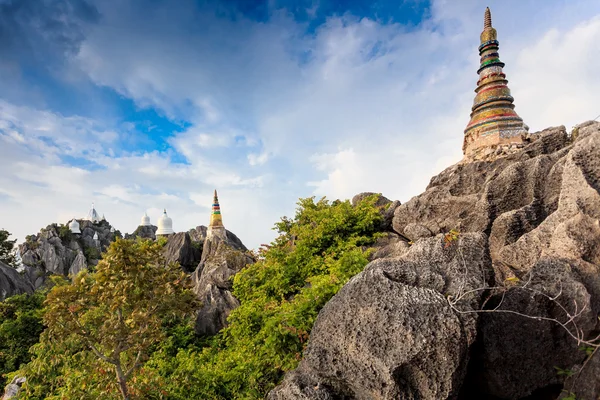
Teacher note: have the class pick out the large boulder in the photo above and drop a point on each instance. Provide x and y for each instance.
(221, 260)
(12, 282)
(392, 333)
(536, 212)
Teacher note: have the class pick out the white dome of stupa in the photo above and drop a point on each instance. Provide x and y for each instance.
(93, 215)
(145, 220)
(165, 225)
(112, 229)
(74, 226)
(95, 235)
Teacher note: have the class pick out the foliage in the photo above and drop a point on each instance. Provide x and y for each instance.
(315, 254)
(64, 233)
(103, 326)
(8, 253)
(31, 241)
(162, 241)
(20, 328)
(91, 253)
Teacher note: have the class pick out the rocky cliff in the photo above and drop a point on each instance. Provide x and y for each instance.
(55, 250)
(221, 260)
(494, 296)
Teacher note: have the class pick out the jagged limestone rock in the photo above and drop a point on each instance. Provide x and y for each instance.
(538, 210)
(55, 250)
(390, 332)
(180, 249)
(221, 260)
(12, 282)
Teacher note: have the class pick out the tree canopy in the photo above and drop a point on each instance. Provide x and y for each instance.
(103, 325)
(8, 253)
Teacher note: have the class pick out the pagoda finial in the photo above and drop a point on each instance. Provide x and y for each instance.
(487, 19)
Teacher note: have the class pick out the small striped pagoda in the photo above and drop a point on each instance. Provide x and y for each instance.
(216, 228)
(494, 121)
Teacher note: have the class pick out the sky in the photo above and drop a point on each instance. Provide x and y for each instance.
(141, 105)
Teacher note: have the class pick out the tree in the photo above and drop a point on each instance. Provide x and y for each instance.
(108, 320)
(315, 254)
(8, 254)
(20, 328)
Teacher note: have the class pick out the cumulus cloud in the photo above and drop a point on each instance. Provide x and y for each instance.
(274, 112)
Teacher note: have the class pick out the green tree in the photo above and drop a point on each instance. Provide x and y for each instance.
(20, 328)
(8, 253)
(108, 320)
(315, 254)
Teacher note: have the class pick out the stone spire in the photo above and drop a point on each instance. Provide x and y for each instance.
(494, 121)
(216, 228)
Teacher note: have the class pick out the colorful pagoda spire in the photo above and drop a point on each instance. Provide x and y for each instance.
(215, 218)
(494, 121)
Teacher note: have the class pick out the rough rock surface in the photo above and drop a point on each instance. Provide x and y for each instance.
(55, 250)
(12, 389)
(12, 282)
(144, 232)
(386, 206)
(180, 249)
(221, 260)
(536, 212)
(390, 332)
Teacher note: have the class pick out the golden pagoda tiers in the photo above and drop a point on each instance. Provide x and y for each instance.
(494, 122)
(216, 228)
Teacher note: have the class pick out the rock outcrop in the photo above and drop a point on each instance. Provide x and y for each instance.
(385, 205)
(182, 250)
(144, 232)
(12, 389)
(55, 250)
(221, 260)
(12, 282)
(525, 241)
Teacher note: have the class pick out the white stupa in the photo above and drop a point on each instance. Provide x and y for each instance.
(95, 235)
(74, 226)
(165, 225)
(145, 220)
(93, 215)
(112, 229)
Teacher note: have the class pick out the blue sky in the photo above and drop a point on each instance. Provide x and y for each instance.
(143, 105)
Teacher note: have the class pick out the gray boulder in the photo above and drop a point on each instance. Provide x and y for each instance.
(12, 282)
(180, 249)
(12, 389)
(391, 333)
(144, 232)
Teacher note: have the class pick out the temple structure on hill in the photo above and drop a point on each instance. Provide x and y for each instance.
(165, 225)
(93, 215)
(216, 228)
(494, 122)
(145, 220)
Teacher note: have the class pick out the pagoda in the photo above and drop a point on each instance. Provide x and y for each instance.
(216, 228)
(494, 122)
